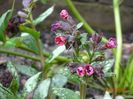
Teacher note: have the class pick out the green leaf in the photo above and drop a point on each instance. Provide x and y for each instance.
(14, 86)
(13, 70)
(83, 38)
(27, 70)
(57, 52)
(44, 1)
(31, 83)
(64, 93)
(79, 25)
(11, 43)
(110, 74)
(32, 32)
(3, 25)
(42, 90)
(107, 65)
(35, 0)
(71, 77)
(43, 16)
(30, 43)
(59, 80)
(6, 93)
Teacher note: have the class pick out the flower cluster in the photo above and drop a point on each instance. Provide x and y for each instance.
(87, 69)
(63, 29)
(67, 34)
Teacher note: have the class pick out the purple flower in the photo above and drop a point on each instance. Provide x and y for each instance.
(26, 3)
(65, 26)
(56, 26)
(111, 43)
(89, 69)
(64, 14)
(96, 38)
(80, 71)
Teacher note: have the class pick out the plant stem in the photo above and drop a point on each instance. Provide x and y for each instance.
(19, 54)
(40, 49)
(119, 37)
(83, 91)
(41, 56)
(59, 59)
(79, 17)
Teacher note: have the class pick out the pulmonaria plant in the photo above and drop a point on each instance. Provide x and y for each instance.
(86, 50)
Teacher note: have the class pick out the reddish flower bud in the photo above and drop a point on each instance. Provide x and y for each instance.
(80, 71)
(111, 43)
(64, 14)
(60, 40)
(89, 69)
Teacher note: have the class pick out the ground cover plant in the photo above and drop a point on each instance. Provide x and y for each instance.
(84, 64)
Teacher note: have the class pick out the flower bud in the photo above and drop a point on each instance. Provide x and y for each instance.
(89, 69)
(64, 14)
(111, 43)
(56, 26)
(60, 40)
(22, 14)
(80, 71)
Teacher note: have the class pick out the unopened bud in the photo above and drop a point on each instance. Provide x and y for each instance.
(22, 14)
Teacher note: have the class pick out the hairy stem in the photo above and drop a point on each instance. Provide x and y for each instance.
(19, 54)
(83, 91)
(40, 49)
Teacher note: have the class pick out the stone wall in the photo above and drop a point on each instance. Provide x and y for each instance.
(123, 2)
(98, 13)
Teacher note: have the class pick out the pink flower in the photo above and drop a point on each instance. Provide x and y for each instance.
(56, 26)
(89, 69)
(64, 14)
(60, 40)
(80, 71)
(111, 43)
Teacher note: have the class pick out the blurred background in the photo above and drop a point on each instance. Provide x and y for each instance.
(98, 13)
